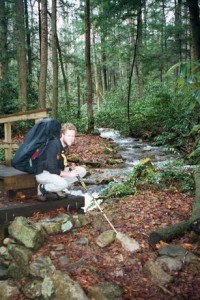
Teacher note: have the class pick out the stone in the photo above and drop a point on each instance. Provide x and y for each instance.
(8, 290)
(177, 251)
(169, 263)
(154, 272)
(106, 238)
(105, 291)
(42, 266)
(26, 232)
(62, 287)
(33, 289)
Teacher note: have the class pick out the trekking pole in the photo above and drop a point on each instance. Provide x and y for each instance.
(127, 243)
(96, 202)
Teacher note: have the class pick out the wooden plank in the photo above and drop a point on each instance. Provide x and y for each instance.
(26, 115)
(5, 145)
(18, 182)
(12, 179)
(9, 171)
(72, 202)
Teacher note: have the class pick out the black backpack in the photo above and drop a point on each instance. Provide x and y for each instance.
(35, 142)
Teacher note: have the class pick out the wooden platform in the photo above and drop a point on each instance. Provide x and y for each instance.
(15, 180)
(12, 182)
(12, 210)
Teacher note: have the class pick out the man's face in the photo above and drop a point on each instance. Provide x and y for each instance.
(68, 137)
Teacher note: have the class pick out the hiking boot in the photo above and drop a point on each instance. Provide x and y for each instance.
(61, 195)
(41, 193)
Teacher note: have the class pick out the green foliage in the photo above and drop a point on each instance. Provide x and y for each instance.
(119, 189)
(171, 174)
(188, 80)
(2, 155)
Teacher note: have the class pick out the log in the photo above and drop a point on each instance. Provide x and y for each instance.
(173, 231)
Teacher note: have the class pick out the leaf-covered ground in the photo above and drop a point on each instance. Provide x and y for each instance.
(137, 216)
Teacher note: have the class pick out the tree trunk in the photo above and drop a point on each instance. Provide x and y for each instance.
(103, 63)
(3, 41)
(176, 230)
(88, 68)
(43, 55)
(78, 97)
(54, 60)
(178, 24)
(195, 28)
(64, 75)
(135, 48)
(28, 38)
(21, 54)
(96, 74)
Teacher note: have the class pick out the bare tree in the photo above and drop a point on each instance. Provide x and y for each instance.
(21, 53)
(54, 59)
(88, 67)
(43, 55)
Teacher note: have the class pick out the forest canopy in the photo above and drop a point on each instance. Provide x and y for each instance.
(96, 63)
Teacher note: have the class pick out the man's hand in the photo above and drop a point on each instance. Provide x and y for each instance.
(73, 173)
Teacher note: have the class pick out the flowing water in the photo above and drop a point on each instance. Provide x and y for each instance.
(132, 151)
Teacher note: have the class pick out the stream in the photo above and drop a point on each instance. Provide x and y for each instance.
(132, 151)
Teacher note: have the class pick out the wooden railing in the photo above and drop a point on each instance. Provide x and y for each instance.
(7, 120)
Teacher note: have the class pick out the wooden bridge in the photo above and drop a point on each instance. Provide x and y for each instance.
(13, 181)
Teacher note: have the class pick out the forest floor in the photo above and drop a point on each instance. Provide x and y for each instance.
(136, 216)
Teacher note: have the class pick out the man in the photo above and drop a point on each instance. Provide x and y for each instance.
(52, 172)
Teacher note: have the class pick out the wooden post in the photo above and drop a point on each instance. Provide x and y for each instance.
(8, 141)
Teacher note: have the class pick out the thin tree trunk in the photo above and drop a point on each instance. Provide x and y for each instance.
(54, 60)
(96, 74)
(178, 24)
(3, 41)
(64, 76)
(88, 68)
(133, 65)
(78, 97)
(21, 54)
(104, 68)
(28, 39)
(43, 55)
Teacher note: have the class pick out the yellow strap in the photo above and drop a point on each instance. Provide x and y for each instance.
(65, 159)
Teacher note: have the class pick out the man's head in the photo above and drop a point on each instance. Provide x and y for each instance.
(68, 133)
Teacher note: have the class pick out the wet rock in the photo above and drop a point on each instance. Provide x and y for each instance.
(169, 263)
(26, 233)
(154, 272)
(63, 260)
(19, 267)
(5, 257)
(42, 266)
(62, 287)
(61, 223)
(8, 290)
(58, 247)
(82, 241)
(106, 238)
(67, 226)
(3, 272)
(177, 251)
(80, 220)
(33, 289)
(105, 291)
(77, 264)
